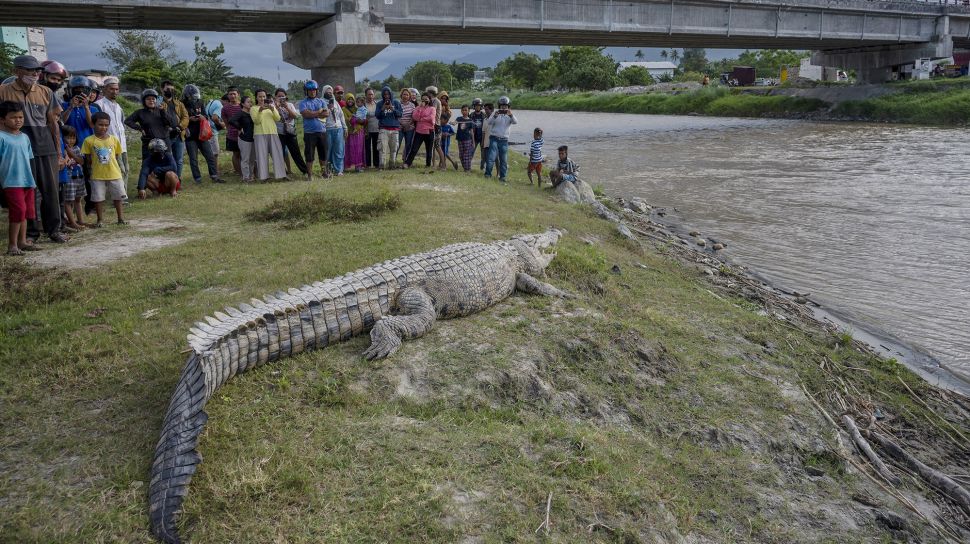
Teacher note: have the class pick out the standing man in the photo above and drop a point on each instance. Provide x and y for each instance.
(230, 109)
(41, 113)
(172, 104)
(109, 104)
(313, 109)
(213, 110)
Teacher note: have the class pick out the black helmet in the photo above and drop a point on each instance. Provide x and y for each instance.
(191, 92)
(79, 82)
(148, 93)
(477, 102)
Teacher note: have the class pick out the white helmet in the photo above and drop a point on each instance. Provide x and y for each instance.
(504, 101)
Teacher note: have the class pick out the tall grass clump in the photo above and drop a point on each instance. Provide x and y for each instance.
(919, 104)
(717, 101)
(314, 207)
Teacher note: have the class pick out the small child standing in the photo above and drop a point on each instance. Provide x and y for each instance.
(446, 132)
(535, 156)
(72, 179)
(101, 152)
(16, 177)
(465, 135)
(565, 169)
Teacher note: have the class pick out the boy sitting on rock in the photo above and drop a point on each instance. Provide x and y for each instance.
(565, 170)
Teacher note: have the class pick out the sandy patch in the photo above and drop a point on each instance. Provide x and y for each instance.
(92, 248)
(437, 188)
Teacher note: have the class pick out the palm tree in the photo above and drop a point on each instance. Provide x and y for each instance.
(639, 55)
(674, 55)
(663, 53)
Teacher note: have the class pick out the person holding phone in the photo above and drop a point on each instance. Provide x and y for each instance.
(389, 118)
(500, 124)
(267, 142)
(286, 128)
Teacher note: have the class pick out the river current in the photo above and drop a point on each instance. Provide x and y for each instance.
(872, 220)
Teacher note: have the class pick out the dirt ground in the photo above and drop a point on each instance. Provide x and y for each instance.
(94, 247)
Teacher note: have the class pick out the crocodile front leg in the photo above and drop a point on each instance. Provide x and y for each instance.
(528, 284)
(417, 317)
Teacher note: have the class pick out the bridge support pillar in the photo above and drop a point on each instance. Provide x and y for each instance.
(874, 64)
(333, 48)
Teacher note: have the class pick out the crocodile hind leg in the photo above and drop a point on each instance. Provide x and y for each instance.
(528, 284)
(417, 317)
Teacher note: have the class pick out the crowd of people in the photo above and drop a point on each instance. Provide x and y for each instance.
(62, 157)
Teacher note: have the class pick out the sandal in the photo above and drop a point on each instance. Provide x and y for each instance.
(98, 225)
(122, 222)
(30, 247)
(16, 252)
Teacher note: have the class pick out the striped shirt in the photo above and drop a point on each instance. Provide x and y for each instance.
(535, 151)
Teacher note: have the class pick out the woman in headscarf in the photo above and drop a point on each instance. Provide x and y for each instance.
(354, 157)
(336, 131)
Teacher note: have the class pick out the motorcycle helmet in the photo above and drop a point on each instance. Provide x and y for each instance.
(191, 92)
(310, 86)
(148, 93)
(504, 101)
(79, 82)
(157, 145)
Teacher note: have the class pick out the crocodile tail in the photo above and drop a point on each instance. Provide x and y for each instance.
(176, 457)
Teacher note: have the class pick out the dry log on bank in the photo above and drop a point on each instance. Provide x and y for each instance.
(865, 448)
(934, 477)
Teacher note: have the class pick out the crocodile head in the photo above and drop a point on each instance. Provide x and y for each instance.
(529, 246)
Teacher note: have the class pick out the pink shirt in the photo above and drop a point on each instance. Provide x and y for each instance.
(423, 117)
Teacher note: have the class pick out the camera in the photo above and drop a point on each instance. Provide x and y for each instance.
(268, 101)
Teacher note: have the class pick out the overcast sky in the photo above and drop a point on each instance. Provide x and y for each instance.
(258, 54)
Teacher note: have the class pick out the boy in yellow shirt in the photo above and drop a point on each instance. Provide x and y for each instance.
(101, 152)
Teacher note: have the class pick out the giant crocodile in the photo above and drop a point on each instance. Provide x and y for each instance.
(395, 300)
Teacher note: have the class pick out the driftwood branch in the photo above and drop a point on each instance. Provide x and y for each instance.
(546, 522)
(865, 448)
(934, 477)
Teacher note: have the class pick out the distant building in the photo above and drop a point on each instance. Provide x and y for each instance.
(481, 77)
(95, 75)
(656, 69)
(30, 39)
(812, 72)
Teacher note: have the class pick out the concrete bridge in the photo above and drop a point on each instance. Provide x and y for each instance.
(332, 37)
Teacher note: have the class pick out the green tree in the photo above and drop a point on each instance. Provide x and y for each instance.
(249, 84)
(429, 72)
(295, 87)
(519, 71)
(148, 72)
(694, 60)
(664, 54)
(211, 70)
(634, 75)
(463, 73)
(639, 55)
(584, 67)
(139, 47)
(8, 52)
(766, 62)
(674, 55)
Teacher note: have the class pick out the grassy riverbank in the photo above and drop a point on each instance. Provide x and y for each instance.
(935, 102)
(665, 400)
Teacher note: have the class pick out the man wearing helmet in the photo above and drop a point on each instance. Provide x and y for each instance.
(152, 122)
(192, 100)
(78, 107)
(41, 114)
(162, 178)
(499, 124)
(54, 75)
(478, 116)
(313, 109)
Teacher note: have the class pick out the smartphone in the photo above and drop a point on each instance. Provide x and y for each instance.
(268, 101)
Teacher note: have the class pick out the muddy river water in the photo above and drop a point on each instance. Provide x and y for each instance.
(872, 220)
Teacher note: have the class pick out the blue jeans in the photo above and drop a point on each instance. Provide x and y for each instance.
(178, 151)
(407, 136)
(194, 147)
(335, 137)
(498, 149)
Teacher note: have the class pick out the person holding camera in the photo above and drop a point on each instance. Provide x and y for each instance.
(175, 107)
(267, 141)
(389, 118)
(78, 113)
(192, 99)
(499, 124)
(286, 129)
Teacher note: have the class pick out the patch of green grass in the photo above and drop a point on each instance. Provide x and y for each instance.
(933, 105)
(313, 207)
